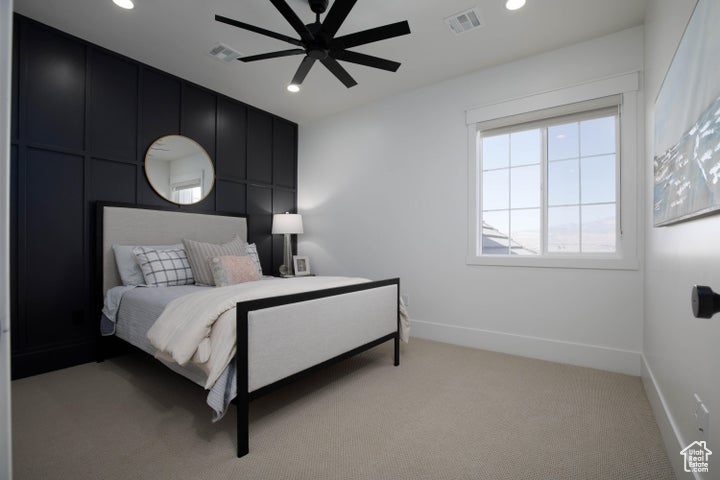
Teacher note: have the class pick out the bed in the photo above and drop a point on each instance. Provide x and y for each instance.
(278, 338)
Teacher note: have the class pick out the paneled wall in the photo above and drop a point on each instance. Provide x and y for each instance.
(83, 118)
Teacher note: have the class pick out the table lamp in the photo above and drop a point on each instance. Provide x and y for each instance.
(287, 224)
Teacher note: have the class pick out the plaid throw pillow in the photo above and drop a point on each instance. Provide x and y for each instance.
(164, 268)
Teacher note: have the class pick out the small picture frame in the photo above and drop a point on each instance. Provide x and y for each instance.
(302, 265)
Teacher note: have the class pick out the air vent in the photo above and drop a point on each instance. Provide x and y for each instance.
(464, 21)
(224, 53)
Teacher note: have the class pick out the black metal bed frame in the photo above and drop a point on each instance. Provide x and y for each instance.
(244, 397)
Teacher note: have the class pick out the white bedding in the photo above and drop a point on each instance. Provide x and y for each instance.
(138, 310)
(199, 328)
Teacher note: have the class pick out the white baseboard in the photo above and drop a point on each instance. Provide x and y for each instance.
(584, 355)
(672, 437)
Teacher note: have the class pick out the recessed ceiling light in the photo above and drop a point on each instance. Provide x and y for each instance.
(514, 4)
(126, 4)
(293, 88)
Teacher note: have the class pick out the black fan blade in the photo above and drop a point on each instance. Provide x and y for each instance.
(264, 56)
(293, 20)
(337, 70)
(374, 35)
(303, 70)
(336, 16)
(367, 60)
(259, 30)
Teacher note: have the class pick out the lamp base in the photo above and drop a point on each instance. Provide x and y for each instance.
(286, 269)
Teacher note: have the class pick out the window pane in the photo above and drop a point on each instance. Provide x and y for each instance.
(525, 232)
(525, 187)
(525, 147)
(495, 152)
(563, 229)
(563, 183)
(598, 228)
(598, 179)
(597, 136)
(563, 141)
(551, 189)
(496, 190)
(495, 228)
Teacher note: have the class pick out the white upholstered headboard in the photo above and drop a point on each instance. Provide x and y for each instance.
(147, 226)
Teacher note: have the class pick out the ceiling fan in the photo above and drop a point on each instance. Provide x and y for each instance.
(318, 42)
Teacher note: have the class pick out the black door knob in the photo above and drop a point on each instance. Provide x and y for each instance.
(705, 302)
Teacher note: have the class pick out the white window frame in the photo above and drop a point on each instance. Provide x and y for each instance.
(180, 190)
(575, 99)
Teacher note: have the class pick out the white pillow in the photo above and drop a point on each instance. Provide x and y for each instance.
(128, 268)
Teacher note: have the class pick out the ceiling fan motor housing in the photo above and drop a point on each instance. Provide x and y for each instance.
(320, 47)
(318, 6)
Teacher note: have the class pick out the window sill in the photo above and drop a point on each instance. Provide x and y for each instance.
(597, 263)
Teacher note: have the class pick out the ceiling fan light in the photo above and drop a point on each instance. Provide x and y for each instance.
(293, 88)
(126, 4)
(514, 4)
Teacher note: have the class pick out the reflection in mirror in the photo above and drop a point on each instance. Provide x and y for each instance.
(179, 169)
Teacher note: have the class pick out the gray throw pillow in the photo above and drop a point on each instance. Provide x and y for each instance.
(199, 253)
(251, 251)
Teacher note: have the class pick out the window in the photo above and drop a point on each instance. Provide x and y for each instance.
(552, 186)
(187, 192)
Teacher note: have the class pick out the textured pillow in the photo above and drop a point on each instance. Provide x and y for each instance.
(127, 265)
(198, 254)
(164, 268)
(251, 251)
(229, 270)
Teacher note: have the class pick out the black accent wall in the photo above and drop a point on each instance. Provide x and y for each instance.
(82, 119)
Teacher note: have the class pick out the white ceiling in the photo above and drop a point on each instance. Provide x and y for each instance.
(175, 35)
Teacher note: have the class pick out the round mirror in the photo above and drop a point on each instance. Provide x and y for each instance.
(179, 169)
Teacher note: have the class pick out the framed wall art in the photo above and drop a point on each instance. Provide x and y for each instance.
(687, 124)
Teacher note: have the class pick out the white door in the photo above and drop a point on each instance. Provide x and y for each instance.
(5, 101)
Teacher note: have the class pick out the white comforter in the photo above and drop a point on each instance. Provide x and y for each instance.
(200, 327)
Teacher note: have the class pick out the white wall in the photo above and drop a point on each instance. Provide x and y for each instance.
(190, 168)
(383, 190)
(682, 354)
(160, 174)
(165, 174)
(5, 66)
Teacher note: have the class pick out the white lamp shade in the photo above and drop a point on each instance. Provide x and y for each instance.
(287, 223)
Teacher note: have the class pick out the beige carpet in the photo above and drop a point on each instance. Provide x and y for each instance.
(446, 413)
